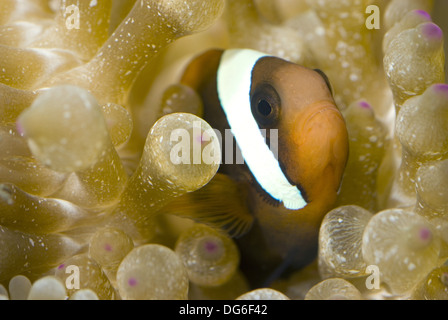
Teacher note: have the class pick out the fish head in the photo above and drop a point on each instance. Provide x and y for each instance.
(312, 139)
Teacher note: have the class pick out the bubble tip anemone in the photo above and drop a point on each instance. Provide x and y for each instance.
(432, 31)
(365, 105)
(423, 13)
(441, 88)
(19, 127)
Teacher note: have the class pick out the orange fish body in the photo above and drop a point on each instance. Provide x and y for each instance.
(287, 197)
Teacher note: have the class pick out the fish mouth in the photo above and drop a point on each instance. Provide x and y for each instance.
(323, 107)
(317, 114)
(293, 183)
(315, 134)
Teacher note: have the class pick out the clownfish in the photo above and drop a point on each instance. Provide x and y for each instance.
(272, 204)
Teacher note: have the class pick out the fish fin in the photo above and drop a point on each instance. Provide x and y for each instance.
(219, 204)
(265, 196)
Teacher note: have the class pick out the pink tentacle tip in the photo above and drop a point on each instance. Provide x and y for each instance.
(199, 139)
(203, 138)
(61, 266)
(132, 282)
(107, 247)
(19, 128)
(425, 234)
(365, 105)
(441, 89)
(424, 14)
(210, 246)
(432, 31)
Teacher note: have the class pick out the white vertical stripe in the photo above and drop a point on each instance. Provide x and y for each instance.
(234, 83)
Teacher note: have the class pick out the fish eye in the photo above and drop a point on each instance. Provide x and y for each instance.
(264, 108)
(265, 105)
